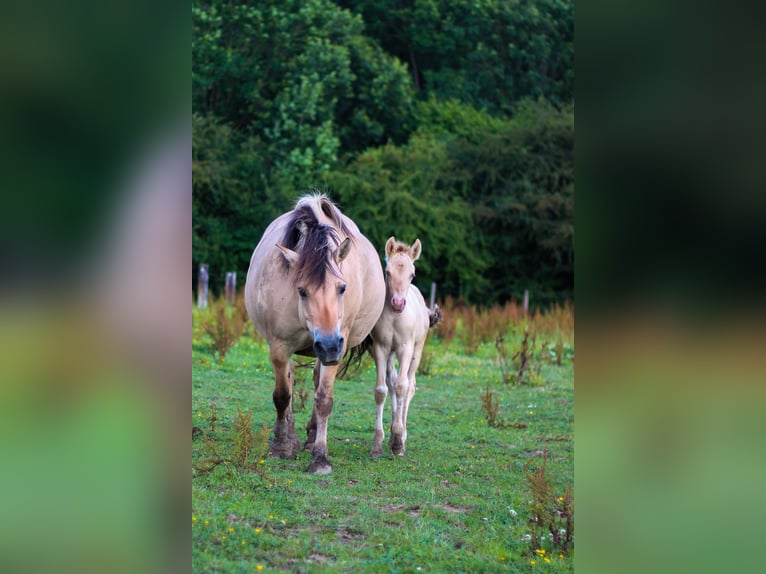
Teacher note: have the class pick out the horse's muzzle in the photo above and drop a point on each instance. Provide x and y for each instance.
(328, 348)
(398, 304)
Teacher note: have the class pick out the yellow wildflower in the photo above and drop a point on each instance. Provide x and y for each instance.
(259, 567)
(540, 552)
(271, 517)
(257, 530)
(206, 522)
(532, 562)
(230, 529)
(548, 560)
(194, 518)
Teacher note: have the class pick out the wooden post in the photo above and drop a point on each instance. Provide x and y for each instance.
(526, 301)
(433, 295)
(231, 287)
(202, 286)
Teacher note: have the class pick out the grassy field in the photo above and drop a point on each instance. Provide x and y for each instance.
(463, 499)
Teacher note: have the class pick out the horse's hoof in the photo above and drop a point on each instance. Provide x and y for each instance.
(320, 466)
(308, 445)
(376, 452)
(283, 450)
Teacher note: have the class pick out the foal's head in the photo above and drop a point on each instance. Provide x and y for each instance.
(400, 270)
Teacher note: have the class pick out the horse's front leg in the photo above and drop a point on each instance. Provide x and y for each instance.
(311, 426)
(322, 408)
(285, 443)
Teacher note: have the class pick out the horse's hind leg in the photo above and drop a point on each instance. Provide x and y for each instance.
(285, 443)
(311, 426)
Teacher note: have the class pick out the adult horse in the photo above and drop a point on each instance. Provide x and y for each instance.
(315, 288)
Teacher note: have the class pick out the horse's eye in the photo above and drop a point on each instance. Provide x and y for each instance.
(302, 292)
(342, 289)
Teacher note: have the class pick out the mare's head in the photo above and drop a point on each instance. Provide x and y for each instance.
(314, 252)
(400, 270)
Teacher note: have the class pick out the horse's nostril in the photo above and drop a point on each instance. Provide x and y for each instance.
(341, 340)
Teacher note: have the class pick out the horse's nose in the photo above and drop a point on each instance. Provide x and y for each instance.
(328, 348)
(398, 304)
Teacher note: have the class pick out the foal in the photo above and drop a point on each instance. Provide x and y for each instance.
(401, 330)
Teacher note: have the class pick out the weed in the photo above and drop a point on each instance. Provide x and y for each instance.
(491, 407)
(300, 393)
(249, 449)
(549, 513)
(224, 329)
(517, 368)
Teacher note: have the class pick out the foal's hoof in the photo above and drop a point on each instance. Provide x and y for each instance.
(397, 446)
(320, 466)
(376, 451)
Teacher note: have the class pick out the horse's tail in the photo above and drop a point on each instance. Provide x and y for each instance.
(353, 357)
(434, 316)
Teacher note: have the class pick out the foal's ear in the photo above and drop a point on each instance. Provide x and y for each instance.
(390, 245)
(415, 250)
(290, 256)
(343, 250)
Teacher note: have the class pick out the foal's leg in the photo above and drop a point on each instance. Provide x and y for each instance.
(311, 426)
(402, 389)
(322, 408)
(412, 382)
(381, 390)
(285, 443)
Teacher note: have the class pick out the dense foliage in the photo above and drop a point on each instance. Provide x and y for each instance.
(449, 121)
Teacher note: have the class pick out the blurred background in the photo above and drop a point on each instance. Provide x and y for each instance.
(94, 238)
(454, 119)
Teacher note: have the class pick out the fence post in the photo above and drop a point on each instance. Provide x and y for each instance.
(433, 295)
(526, 301)
(202, 286)
(231, 287)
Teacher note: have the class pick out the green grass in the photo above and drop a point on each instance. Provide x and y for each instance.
(457, 502)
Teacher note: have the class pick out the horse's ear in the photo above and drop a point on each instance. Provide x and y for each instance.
(290, 256)
(415, 250)
(390, 245)
(343, 250)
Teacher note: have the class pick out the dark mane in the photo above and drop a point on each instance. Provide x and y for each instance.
(314, 242)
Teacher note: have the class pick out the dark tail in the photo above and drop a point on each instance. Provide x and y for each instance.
(434, 317)
(353, 357)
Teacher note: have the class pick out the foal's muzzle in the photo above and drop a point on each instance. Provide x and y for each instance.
(328, 348)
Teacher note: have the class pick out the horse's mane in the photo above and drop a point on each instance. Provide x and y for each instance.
(314, 241)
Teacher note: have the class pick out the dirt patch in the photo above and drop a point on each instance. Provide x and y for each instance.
(319, 558)
(350, 536)
(451, 508)
(534, 452)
